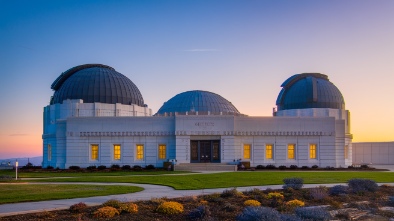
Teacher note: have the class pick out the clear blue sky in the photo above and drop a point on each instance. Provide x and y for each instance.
(240, 49)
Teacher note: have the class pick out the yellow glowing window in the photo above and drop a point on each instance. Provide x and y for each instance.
(49, 152)
(140, 152)
(162, 151)
(246, 151)
(346, 152)
(312, 151)
(291, 151)
(94, 151)
(268, 151)
(117, 152)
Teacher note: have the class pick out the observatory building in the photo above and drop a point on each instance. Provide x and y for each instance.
(97, 116)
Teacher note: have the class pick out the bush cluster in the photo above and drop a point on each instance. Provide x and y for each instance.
(170, 208)
(295, 183)
(313, 213)
(201, 212)
(275, 195)
(295, 203)
(102, 167)
(338, 189)
(91, 167)
(362, 185)
(78, 208)
(258, 213)
(129, 207)
(105, 212)
(260, 167)
(230, 193)
(126, 167)
(293, 167)
(150, 167)
(319, 193)
(252, 203)
(74, 168)
(115, 166)
(282, 167)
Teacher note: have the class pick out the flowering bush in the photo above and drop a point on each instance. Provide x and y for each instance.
(252, 203)
(77, 208)
(114, 203)
(275, 195)
(170, 208)
(105, 212)
(204, 202)
(129, 207)
(295, 203)
(258, 213)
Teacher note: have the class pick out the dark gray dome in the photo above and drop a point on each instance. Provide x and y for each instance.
(201, 101)
(95, 83)
(309, 90)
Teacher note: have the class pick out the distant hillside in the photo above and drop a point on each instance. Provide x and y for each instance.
(36, 161)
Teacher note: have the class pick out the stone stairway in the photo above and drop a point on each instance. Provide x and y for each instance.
(204, 167)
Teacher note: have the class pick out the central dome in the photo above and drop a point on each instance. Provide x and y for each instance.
(95, 83)
(198, 101)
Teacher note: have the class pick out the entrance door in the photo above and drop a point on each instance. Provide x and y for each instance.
(205, 151)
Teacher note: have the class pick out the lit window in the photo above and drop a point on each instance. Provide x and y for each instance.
(117, 152)
(94, 153)
(268, 151)
(162, 151)
(312, 151)
(346, 152)
(49, 152)
(246, 151)
(291, 151)
(140, 151)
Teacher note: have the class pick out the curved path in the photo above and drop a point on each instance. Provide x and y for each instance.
(149, 192)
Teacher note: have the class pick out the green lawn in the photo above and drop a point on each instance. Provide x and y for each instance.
(234, 179)
(13, 193)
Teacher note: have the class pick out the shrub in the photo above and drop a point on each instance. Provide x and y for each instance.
(350, 167)
(91, 167)
(200, 212)
(293, 167)
(295, 183)
(391, 200)
(170, 208)
(304, 167)
(230, 193)
(212, 197)
(5, 177)
(105, 212)
(260, 167)
(295, 203)
(126, 167)
(78, 208)
(258, 213)
(102, 167)
(315, 167)
(319, 193)
(282, 167)
(114, 203)
(228, 207)
(74, 168)
(338, 189)
(150, 167)
(364, 166)
(49, 167)
(270, 167)
(275, 195)
(137, 168)
(129, 207)
(115, 166)
(252, 203)
(362, 185)
(288, 217)
(313, 213)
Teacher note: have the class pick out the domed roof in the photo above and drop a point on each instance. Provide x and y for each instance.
(309, 90)
(201, 101)
(95, 83)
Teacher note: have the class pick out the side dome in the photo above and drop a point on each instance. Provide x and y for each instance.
(201, 101)
(95, 83)
(309, 90)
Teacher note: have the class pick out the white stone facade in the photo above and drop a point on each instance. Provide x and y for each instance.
(371, 153)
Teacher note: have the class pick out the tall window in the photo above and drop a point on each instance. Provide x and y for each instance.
(162, 151)
(291, 151)
(312, 151)
(117, 152)
(247, 151)
(346, 152)
(140, 151)
(49, 152)
(268, 151)
(94, 151)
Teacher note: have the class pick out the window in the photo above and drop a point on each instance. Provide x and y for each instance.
(291, 151)
(246, 151)
(268, 151)
(140, 151)
(312, 151)
(162, 151)
(49, 152)
(117, 152)
(346, 152)
(94, 152)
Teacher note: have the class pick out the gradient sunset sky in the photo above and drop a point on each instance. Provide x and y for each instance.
(240, 49)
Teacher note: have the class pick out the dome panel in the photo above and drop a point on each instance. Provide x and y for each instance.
(309, 90)
(95, 83)
(201, 101)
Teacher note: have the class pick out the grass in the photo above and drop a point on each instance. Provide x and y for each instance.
(232, 179)
(14, 193)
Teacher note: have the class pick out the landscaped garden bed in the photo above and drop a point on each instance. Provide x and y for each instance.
(360, 199)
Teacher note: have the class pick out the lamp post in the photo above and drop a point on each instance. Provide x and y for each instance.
(16, 170)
